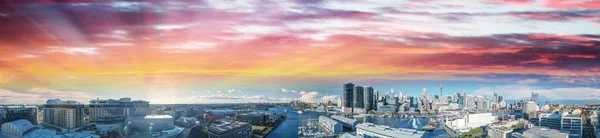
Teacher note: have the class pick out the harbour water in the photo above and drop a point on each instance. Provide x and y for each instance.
(289, 127)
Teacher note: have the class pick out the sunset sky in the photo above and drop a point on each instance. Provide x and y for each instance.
(216, 51)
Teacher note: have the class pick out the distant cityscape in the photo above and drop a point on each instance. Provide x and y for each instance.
(361, 112)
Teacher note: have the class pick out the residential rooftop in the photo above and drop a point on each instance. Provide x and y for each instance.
(544, 132)
(225, 126)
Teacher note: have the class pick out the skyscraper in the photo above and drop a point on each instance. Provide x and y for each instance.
(359, 97)
(375, 100)
(535, 97)
(441, 93)
(369, 98)
(425, 93)
(348, 97)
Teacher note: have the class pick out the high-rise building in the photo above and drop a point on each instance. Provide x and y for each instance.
(464, 99)
(348, 97)
(376, 95)
(470, 102)
(534, 97)
(13, 113)
(64, 114)
(359, 98)
(441, 93)
(340, 102)
(425, 93)
(369, 98)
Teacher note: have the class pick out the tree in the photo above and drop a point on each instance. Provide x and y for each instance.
(264, 129)
(372, 112)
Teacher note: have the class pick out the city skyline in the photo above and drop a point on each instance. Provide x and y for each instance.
(277, 51)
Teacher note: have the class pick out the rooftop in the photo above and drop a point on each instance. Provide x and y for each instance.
(389, 131)
(327, 119)
(61, 102)
(573, 116)
(157, 116)
(544, 132)
(22, 125)
(550, 115)
(225, 126)
(343, 119)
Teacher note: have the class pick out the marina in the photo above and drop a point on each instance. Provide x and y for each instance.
(290, 126)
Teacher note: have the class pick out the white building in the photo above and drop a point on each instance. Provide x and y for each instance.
(529, 107)
(573, 124)
(330, 125)
(381, 131)
(64, 114)
(115, 110)
(469, 121)
(16, 128)
(340, 102)
(154, 123)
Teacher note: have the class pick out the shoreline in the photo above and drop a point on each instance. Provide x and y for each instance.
(274, 127)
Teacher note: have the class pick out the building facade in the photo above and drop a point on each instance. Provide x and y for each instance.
(117, 110)
(13, 113)
(573, 124)
(64, 114)
(550, 120)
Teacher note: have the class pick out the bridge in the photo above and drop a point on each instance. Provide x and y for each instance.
(449, 130)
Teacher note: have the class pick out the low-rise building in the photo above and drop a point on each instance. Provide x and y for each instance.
(550, 120)
(381, 131)
(229, 129)
(154, 123)
(16, 128)
(505, 129)
(470, 120)
(218, 114)
(346, 122)
(13, 113)
(116, 110)
(253, 116)
(541, 132)
(330, 125)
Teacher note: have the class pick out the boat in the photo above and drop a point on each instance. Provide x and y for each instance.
(299, 112)
(432, 122)
(429, 128)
